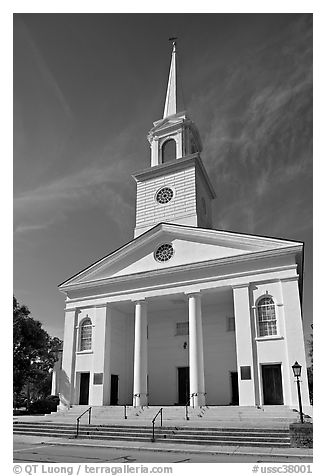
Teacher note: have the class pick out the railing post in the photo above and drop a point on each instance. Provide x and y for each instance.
(153, 422)
(89, 410)
(125, 412)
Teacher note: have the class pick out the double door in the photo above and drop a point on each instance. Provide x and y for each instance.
(272, 384)
(183, 385)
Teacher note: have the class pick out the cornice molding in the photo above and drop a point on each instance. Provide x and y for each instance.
(192, 160)
(180, 231)
(220, 262)
(194, 283)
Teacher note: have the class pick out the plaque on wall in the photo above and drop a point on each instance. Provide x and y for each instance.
(245, 372)
(98, 379)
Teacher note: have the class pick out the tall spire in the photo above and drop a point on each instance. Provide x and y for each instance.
(171, 92)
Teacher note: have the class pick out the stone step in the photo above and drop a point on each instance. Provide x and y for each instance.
(159, 430)
(42, 424)
(217, 442)
(217, 436)
(136, 431)
(164, 437)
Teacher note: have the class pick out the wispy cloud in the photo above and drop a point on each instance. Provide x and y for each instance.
(95, 185)
(258, 132)
(35, 55)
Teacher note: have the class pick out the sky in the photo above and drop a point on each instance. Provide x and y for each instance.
(87, 89)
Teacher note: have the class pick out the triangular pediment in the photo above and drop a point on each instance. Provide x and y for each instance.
(190, 245)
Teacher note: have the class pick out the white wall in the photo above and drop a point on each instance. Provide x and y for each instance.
(287, 346)
(121, 354)
(293, 331)
(183, 203)
(166, 354)
(219, 353)
(185, 252)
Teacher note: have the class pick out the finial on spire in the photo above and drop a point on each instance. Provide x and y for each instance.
(174, 40)
(170, 107)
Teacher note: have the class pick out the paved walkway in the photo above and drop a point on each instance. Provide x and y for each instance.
(303, 453)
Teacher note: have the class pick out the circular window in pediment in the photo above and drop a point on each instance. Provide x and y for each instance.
(164, 253)
(164, 195)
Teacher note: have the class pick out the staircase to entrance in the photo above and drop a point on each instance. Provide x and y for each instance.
(242, 426)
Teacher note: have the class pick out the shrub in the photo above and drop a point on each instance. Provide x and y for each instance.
(45, 405)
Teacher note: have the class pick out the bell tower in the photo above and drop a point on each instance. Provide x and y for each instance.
(176, 187)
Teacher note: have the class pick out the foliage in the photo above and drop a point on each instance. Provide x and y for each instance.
(34, 354)
(45, 405)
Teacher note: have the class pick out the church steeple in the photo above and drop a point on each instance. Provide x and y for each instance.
(176, 187)
(170, 107)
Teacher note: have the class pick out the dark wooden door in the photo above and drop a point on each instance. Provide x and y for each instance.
(272, 384)
(84, 389)
(234, 388)
(183, 385)
(114, 389)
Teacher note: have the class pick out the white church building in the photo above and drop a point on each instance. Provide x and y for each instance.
(184, 311)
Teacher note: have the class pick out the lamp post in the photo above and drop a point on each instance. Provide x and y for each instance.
(297, 373)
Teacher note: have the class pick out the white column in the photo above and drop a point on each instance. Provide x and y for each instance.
(100, 392)
(196, 351)
(294, 340)
(155, 152)
(55, 387)
(140, 354)
(67, 383)
(54, 382)
(244, 345)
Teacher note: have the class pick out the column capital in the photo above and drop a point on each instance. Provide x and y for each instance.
(290, 278)
(71, 309)
(139, 301)
(104, 304)
(193, 294)
(240, 286)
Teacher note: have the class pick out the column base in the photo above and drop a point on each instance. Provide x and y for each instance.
(198, 399)
(140, 400)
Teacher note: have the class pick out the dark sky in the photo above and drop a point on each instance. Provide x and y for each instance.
(87, 88)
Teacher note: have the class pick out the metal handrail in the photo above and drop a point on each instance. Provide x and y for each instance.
(153, 422)
(187, 405)
(193, 403)
(89, 410)
(125, 411)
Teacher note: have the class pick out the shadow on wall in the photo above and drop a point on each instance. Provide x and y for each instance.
(64, 390)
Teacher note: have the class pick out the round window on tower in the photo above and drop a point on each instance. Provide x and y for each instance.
(164, 195)
(164, 252)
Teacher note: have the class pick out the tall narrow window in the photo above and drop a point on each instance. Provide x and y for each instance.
(86, 335)
(169, 151)
(266, 317)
